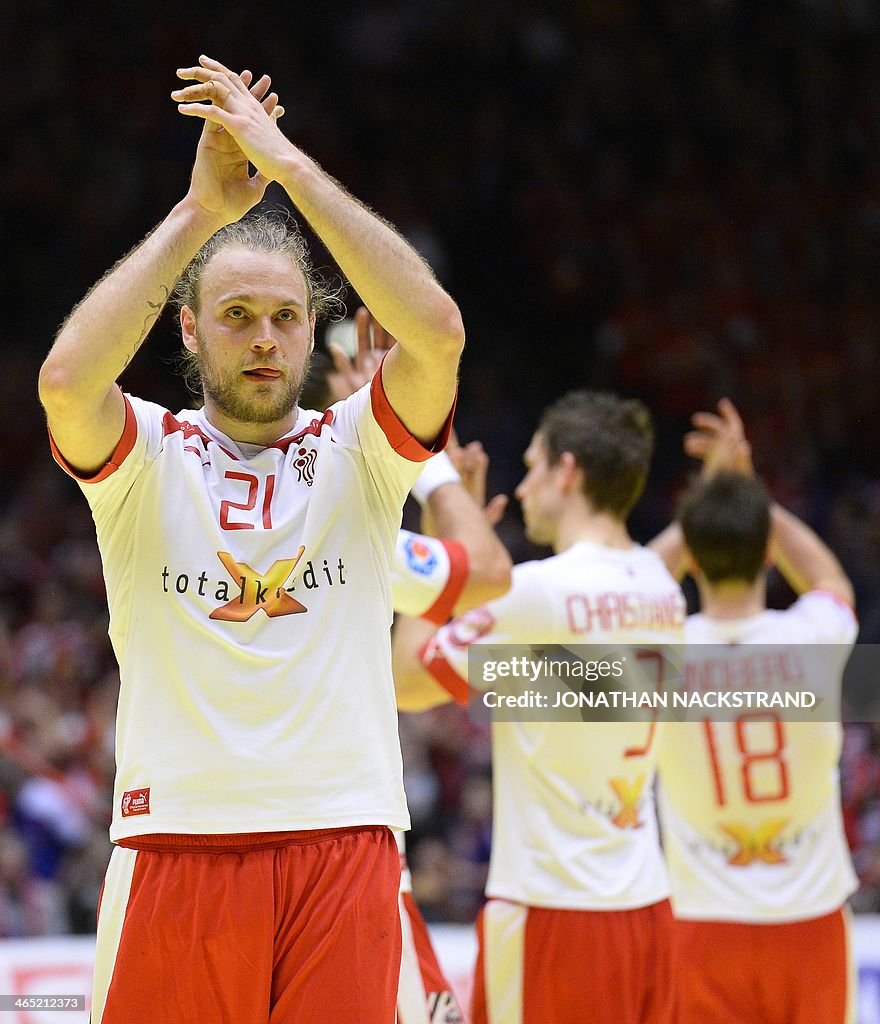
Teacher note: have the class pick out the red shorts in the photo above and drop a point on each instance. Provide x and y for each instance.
(543, 966)
(200, 929)
(795, 973)
(424, 995)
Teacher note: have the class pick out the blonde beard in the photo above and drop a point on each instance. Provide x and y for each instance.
(226, 392)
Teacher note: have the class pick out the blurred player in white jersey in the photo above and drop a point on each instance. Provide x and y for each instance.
(750, 806)
(463, 565)
(577, 927)
(247, 549)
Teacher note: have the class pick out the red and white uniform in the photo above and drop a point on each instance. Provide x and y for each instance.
(751, 818)
(750, 809)
(257, 744)
(427, 575)
(229, 574)
(574, 827)
(424, 995)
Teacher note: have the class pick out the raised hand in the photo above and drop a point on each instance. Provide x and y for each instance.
(221, 180)
(242, 116)
(472, 464)
(373, 342)
(720, 441)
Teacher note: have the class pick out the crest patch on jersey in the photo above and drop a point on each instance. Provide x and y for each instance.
(419, 557)
(304, 464)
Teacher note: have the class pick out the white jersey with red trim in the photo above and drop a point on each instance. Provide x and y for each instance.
(427, 575)
(573, 818)
(250, 611)
(750, 808)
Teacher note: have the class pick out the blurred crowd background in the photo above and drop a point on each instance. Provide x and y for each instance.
(677, 200)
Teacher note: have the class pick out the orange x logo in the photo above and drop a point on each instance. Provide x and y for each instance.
(756, 844)
(259, 591)
(629, 793)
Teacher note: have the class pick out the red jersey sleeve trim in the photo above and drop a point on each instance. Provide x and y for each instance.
(444, 673)
(400, 439)
(441, 610)
(122, 450)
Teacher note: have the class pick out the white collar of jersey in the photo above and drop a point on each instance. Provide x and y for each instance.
(245, 449)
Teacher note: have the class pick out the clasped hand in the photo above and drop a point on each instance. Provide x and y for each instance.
(240, 127)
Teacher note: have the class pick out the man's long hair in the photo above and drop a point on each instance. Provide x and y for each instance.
(271, 230)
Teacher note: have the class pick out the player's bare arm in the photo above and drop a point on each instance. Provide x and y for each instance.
(98, 340)
(804, 559)
(456, 516)
(454, 510)
(419, 374)
(472, 463)
(458, 510)
(415, 687)
(669, 545)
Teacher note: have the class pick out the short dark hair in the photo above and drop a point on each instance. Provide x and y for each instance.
(726, 524)
(611, 438)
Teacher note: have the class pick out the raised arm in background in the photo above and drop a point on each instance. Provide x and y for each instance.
(452, 488)
(801, 556)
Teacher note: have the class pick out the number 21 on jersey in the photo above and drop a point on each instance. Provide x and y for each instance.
(256, 508)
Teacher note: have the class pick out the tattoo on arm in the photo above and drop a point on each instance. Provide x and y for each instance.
(149, 320)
